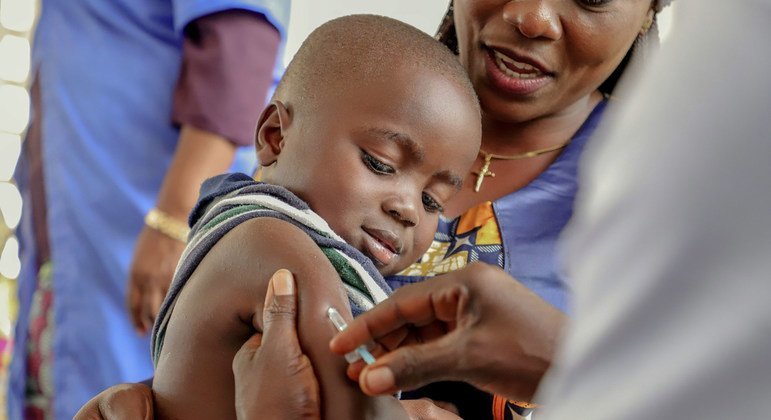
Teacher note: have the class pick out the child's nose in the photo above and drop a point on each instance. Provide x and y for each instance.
(404, 210)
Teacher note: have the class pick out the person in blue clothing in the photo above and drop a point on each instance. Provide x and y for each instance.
(135, 103)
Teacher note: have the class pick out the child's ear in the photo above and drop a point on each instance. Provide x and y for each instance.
(271, 129)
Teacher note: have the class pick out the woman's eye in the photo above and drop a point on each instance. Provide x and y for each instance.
(431, 205)
(594, 3)
(375, 165)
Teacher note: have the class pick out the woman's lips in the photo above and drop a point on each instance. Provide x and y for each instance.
(512, 76)
(514, 68)
(382, 246)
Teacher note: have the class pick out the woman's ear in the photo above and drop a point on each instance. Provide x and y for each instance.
(271, 131)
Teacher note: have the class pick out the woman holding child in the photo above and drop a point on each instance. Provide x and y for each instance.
(543, 71)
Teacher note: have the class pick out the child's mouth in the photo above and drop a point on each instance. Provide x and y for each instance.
(382, 246)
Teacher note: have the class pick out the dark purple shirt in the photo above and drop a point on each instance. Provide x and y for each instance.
(228, 61)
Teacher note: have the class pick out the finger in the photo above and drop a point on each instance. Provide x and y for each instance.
(144, 319)
(413, 366)
(382, 320)
(431, 332)
(151, 301)
(396, 338)
(145, 326)
(355, 368)
(247, 352)
(417, 304)
(279, 315)
(90, 411)
(253, 343)
(133, 300)
(155, 301)
(127, 401)
(145, 316)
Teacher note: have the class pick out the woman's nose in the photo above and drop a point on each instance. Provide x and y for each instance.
(534, 18)
(403, 209)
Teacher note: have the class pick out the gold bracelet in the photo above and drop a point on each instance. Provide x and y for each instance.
(167, 225)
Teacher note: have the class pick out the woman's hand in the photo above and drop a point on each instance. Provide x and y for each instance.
(152, 269)
(274, 379)
(125, 401)
(200, 154)
(477, 325)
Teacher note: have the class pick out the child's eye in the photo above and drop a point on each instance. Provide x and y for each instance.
(431, 205)
(375, 165)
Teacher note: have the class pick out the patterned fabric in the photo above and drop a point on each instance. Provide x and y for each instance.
(229, 200)
(38, 395)
(474, 236)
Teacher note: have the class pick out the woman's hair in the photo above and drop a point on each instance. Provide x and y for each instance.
(447, 36)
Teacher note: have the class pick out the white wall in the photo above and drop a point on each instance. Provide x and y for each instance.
(307, 15)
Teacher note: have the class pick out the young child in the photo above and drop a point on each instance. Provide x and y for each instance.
(372, 128)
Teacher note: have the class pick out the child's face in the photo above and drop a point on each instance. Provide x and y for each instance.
(378, 160)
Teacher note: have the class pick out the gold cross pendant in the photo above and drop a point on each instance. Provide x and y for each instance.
(485, 171)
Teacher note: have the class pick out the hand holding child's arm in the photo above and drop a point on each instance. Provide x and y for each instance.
(274, 379)
(124, 401)
(477, 325)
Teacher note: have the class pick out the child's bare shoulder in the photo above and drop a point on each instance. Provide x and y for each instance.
(221, 306)
(246, 257)
(265, 245)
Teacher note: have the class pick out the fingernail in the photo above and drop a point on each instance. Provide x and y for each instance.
(379, 380)
(283, 283)
(333, 343)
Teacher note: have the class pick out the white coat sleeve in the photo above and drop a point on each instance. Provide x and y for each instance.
(670, 246)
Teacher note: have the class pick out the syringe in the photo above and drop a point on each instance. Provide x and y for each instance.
(361, 352)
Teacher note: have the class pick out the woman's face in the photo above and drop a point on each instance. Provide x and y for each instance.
(535, 58)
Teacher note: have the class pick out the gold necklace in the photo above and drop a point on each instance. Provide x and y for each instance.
(488, 157)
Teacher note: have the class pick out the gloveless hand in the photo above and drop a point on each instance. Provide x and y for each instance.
(477, 325)
(152, 269)
(124, 401)
(274, 378)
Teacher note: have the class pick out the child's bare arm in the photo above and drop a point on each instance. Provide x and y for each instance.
(222, 299)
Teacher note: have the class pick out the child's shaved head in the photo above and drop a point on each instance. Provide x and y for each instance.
(345, 52)
(375, 125)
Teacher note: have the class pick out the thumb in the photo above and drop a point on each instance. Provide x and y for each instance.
(412, 366)
(250, 347)
(125, 401)
(279, 314)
